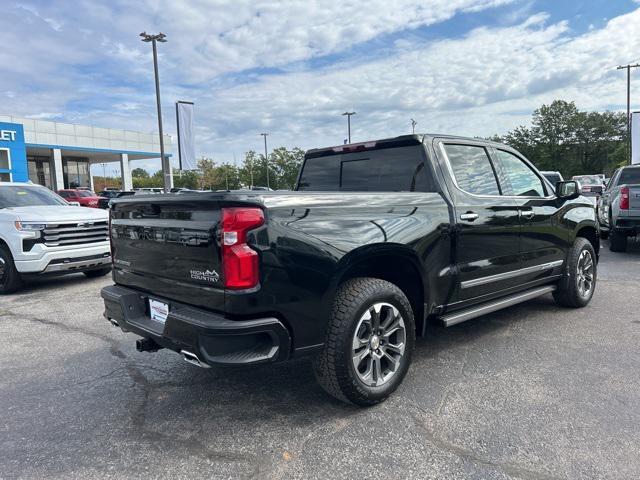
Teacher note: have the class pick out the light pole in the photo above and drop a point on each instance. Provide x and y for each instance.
(413, 126)
(166, 165)
(266, 157)
(104, 176)
(251, 171)
(348, 115)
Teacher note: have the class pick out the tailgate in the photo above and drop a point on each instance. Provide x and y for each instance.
(634, 200)
(169, 247)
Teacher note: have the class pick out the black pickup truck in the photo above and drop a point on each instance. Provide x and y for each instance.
(380, 239)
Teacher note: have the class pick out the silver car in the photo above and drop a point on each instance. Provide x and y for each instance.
(619, 207)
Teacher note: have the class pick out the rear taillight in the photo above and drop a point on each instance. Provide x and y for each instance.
(239, 261)
(624, 198)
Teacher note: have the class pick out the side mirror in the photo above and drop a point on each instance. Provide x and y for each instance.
(568, 190)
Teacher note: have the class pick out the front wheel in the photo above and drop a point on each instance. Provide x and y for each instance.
(369, 342)
(10, 279)
(579, 277)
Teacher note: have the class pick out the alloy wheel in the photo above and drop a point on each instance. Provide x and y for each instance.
(585, 275)
(378, 344)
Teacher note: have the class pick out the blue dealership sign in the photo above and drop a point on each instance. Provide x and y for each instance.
(13, 152)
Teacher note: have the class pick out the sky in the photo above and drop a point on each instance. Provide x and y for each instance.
(290, 68)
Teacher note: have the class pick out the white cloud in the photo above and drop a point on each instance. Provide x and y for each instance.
(52, 22)
(486, 82)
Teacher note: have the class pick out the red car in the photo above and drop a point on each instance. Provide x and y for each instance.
(85, 198)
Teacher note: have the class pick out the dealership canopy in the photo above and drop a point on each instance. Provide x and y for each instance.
(59, 155)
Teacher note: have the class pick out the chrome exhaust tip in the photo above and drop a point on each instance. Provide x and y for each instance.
(193, 359)
(114, 322)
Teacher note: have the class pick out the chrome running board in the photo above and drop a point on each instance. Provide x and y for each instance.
(478, 310)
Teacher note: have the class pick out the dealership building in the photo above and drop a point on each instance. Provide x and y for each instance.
(59, 155)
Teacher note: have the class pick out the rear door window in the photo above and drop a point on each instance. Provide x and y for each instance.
(472, 169)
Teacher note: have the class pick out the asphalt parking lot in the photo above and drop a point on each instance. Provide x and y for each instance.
(533, 392)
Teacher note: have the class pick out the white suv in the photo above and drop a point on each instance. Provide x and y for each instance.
(40, 233)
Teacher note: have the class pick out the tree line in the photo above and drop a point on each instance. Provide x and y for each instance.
(571, 141)
(283, 165)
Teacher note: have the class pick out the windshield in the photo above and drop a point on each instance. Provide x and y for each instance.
(629, 176)
(553, 178)
(588, 179)
(400, 169)
(27, 196)
(84, 193)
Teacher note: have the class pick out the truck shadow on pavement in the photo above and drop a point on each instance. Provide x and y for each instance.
(265, 392)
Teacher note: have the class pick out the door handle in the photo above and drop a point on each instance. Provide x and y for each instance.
(469, 216)
(528, 214)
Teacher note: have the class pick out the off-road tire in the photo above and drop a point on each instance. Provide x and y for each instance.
(567, 293)
(11, 281)
(99, 272)
(333, 367)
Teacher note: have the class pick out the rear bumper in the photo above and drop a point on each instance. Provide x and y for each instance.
(215, 340)
(630, 226)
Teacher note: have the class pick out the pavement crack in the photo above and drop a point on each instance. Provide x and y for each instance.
(61, 326)
(469, 455)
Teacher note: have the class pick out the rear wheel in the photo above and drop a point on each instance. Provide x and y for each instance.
(369, 342)
(10, 279)
(100, 272)
(579, 277)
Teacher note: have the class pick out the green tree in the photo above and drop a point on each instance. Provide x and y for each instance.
(209, 174)
(139, 173)
(154, 181)
(284, 166)
(251, 173)
(186, 179)
(571, 141)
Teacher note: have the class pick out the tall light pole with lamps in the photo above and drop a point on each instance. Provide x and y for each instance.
(348, 115)
(166, 165)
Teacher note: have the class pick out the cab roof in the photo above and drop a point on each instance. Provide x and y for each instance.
(400, 141)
